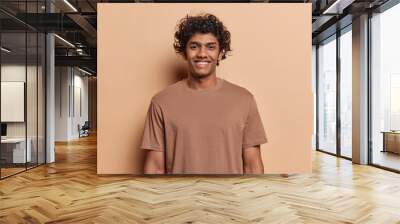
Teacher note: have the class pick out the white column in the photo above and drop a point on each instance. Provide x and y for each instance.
(360, 90)
(50, 99)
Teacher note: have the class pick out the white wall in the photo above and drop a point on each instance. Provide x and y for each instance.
(62, 81)
(16, 72)
(81, 103)
(9, 73)
(71, 93)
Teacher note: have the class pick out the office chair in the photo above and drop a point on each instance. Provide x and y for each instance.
(84, 130)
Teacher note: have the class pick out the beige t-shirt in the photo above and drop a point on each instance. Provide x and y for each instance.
(203, 131)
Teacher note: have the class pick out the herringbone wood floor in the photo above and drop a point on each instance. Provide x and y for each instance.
(69, 191)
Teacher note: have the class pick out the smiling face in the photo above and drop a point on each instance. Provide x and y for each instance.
(202, 55)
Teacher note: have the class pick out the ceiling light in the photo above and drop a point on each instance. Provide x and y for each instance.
(337, 7)
(84, 71)
(70, 5)
(79, 51)
(65, 41)
(5, 50)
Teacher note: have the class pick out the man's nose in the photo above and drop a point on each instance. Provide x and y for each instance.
(202, 52)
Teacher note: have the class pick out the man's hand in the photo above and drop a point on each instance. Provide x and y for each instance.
(154, 163)
(252, 162)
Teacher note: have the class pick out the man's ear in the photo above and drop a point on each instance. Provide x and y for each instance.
(221, 53)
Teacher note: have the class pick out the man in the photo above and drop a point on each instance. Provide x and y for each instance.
(203, 124)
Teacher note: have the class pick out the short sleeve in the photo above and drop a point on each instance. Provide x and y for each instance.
(153, 135)
(254, 133)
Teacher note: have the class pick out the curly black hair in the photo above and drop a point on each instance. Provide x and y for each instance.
(207, 23)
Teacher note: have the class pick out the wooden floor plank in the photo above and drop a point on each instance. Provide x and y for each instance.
(70, 191)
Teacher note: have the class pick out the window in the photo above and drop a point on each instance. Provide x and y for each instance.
(385, 88)
(327, 95)
(346, 93)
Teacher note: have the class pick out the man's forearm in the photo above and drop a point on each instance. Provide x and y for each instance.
(154, 163)
(151, 169)
(254, 168)
(252, 161)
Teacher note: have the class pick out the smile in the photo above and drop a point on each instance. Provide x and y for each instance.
(201, 63)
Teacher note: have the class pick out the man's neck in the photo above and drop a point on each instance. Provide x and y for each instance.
(205, 83)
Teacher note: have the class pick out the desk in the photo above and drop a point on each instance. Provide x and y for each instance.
(391, 141)
(13, 150)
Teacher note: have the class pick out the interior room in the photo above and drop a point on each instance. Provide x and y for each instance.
(53, 134)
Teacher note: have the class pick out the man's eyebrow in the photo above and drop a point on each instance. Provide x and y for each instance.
(198, 43)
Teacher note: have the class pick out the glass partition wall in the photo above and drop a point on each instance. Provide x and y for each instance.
(22, 88)
(13, 88)
(334, 93)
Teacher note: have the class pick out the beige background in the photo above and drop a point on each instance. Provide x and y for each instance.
(271, 57)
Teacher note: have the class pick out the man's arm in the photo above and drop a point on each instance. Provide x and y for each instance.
(154, 163)
(252, 162)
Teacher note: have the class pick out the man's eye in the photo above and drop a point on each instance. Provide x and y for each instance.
(193, 47)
